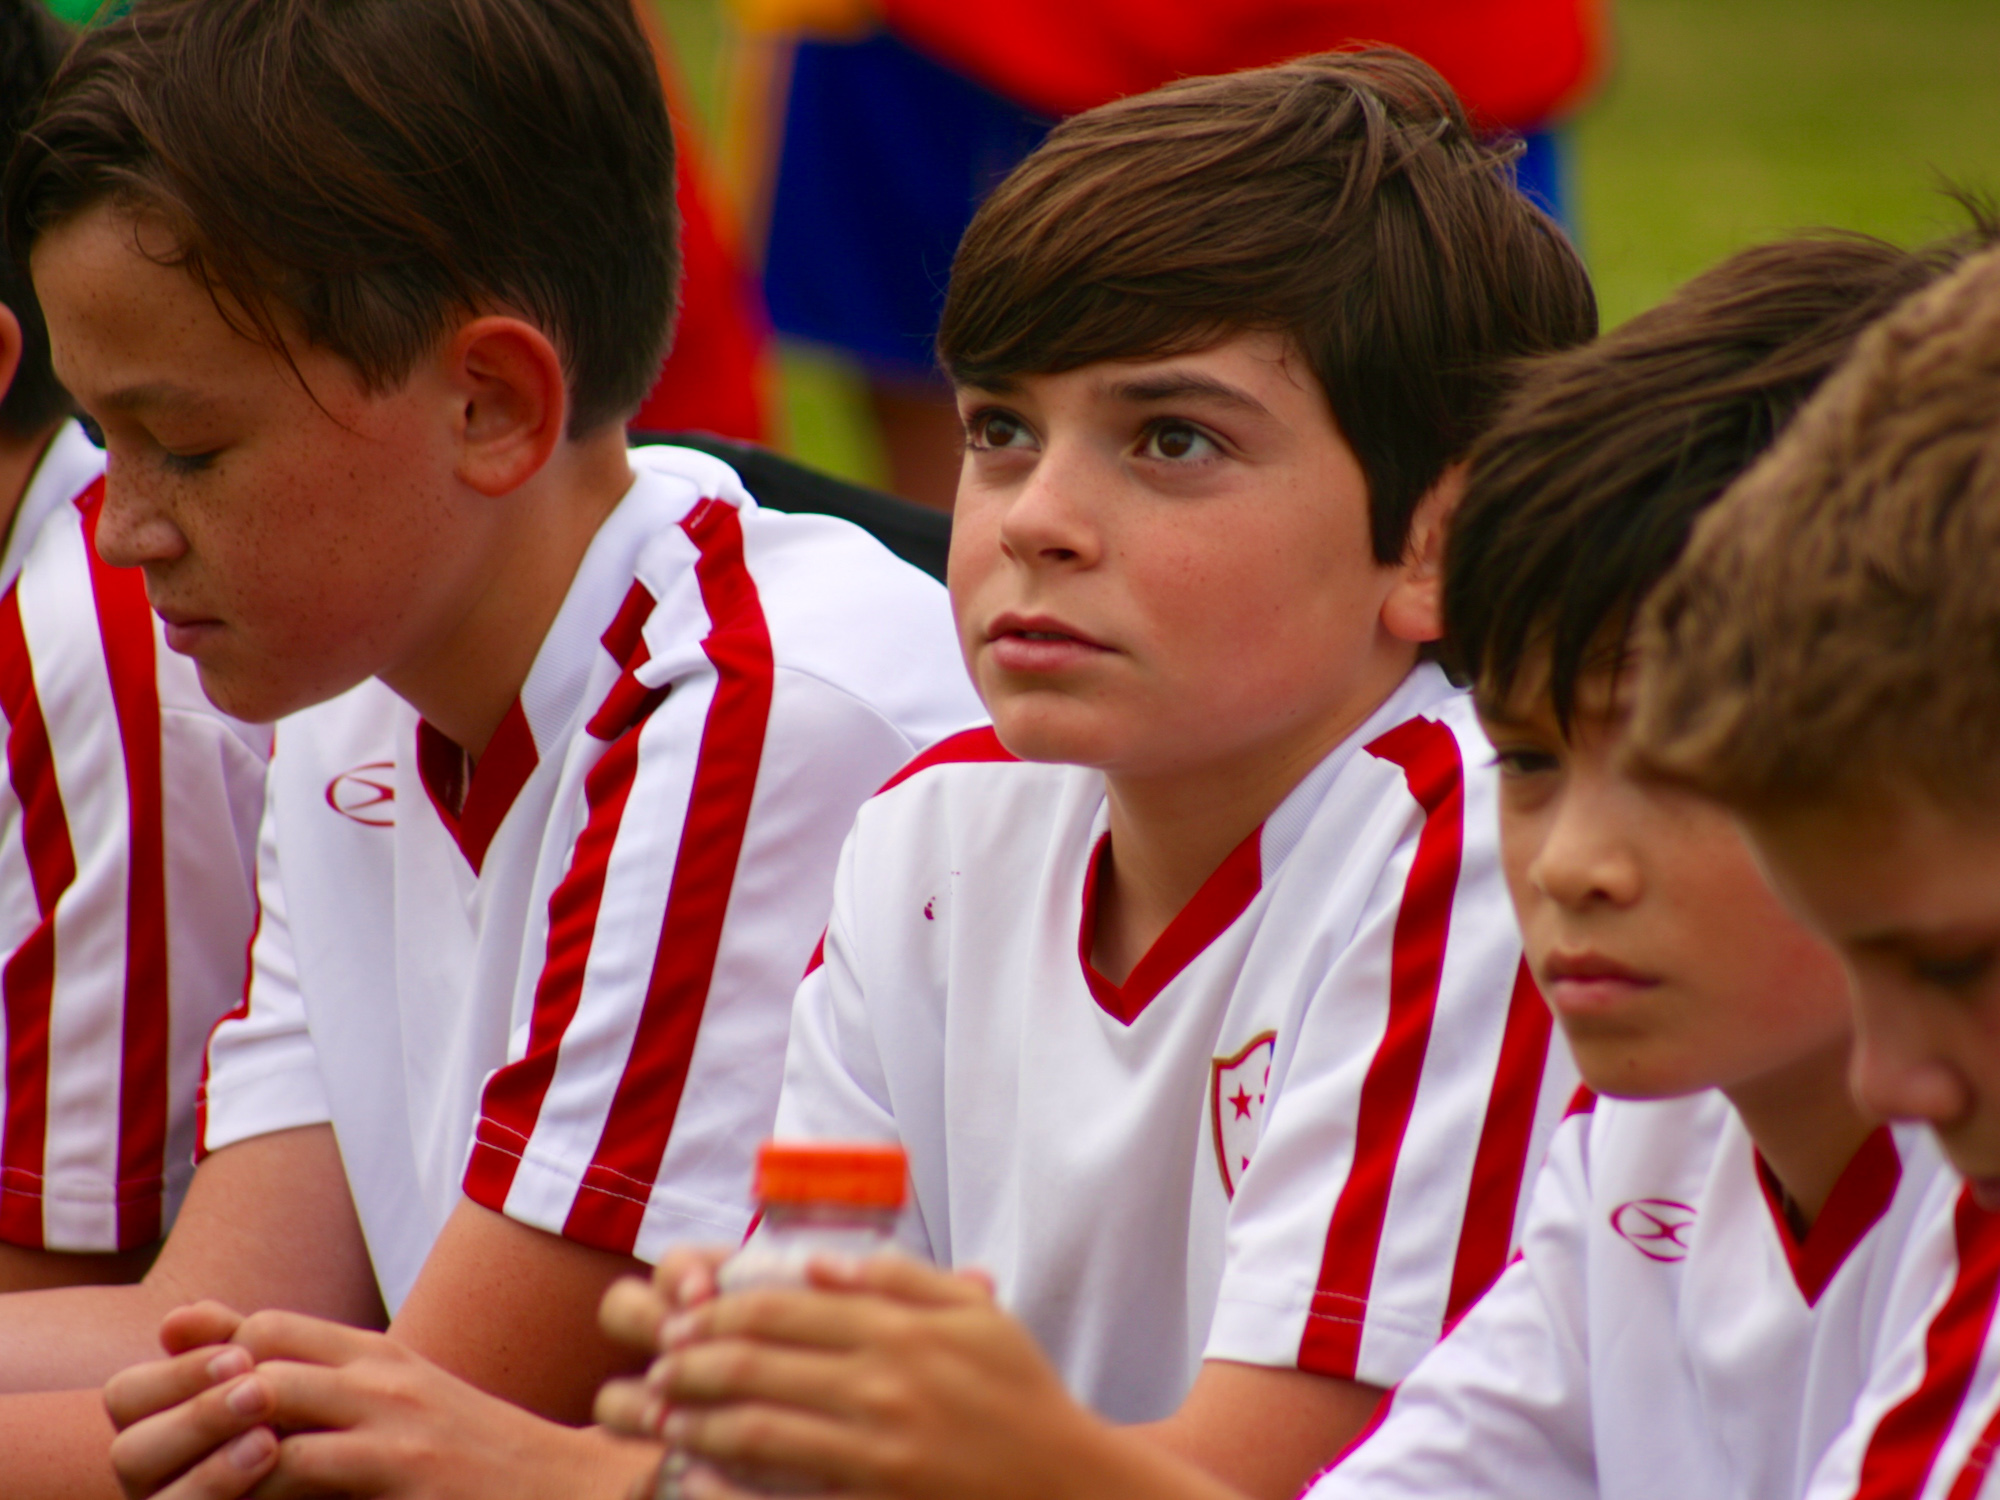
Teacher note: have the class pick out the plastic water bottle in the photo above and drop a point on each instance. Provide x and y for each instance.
(813, 1199)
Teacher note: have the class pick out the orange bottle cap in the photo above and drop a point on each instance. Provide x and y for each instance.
(861, 1175)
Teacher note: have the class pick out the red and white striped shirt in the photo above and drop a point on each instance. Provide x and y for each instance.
(1295, 1136)
(127, 826)
(562, 988)
(1928, 1424)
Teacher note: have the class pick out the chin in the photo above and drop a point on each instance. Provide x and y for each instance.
(256, 698)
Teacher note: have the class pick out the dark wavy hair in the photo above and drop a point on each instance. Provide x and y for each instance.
(32, 43)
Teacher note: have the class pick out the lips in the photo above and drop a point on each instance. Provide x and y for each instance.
(1584, 982)
(1039, 643)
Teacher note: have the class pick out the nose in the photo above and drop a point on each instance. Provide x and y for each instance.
(1898, 1070)
(1049, 518)
(1583, 860)
(132, 528)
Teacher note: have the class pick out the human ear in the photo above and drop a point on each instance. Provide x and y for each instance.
(1414, 608)
(514, 404)
(11, 341)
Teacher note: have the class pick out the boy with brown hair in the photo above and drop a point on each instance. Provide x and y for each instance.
(360, 296)
(1191, 988)
(1822, 662)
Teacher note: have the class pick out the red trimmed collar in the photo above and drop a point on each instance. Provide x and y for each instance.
(1219, 902)
(474, 812)
(1866, 1187)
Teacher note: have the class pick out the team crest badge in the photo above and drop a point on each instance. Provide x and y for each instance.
(1236, 1087)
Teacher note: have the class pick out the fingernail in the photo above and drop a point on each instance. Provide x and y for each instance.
(251, 1449)
(676, 1427)
(677, 1330)
(230, 1362)
(837, 1267)
(247, 1399)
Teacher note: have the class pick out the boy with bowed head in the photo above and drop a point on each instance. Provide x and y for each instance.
(360, 296)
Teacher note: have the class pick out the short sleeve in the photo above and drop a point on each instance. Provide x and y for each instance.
(262, 1074)
(1501, 1408)
(648, 1071)
(1410, 1107)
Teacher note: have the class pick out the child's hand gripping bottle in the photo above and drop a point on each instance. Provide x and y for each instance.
(813, 1199)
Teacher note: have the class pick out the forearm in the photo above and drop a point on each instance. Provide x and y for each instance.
(57, 1447)
(69, 1338)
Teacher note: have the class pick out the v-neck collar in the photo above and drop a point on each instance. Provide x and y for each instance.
(1863, 1193)
(473, 808)
(1220, 901)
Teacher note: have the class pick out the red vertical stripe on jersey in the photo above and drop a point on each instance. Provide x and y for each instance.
(611, 1204)
(1504, 1142)
(1905, 1446)
(235, 1013)
(1972, 1477)
(1428, 754)
(27, 982)
(125, 623)
(513, 1098)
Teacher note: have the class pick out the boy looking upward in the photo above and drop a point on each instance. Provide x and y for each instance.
(1700, 1284)
(1191, 988)
(127, 830)
(1822, 662)
(361, 296)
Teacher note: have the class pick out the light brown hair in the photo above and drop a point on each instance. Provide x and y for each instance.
(376, 167)
(1341, 200)
(1832, 634)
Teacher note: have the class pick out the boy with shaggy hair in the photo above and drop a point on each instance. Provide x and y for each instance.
(1700, 1285)
(1823, 662)
(361, 295)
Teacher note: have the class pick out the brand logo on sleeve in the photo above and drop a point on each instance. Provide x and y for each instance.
(1236, 1088)
(1658, 1228)
(367, 794)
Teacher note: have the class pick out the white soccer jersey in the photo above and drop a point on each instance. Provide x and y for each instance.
(563, 989)
(1663, 1334)
(127, 824)
(1928, 1424)
(1295, 1136)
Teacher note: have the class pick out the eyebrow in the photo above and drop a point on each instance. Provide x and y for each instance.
(159, 393)
(1175, 385)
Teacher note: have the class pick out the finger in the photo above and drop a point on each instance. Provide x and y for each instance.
(229, 1472)
(785, 1315)
(198, 1323)
(295, 1336)
(632, 1312)
(152, 1451)
(834, 1455)
(900, 1277)
(319, 1464)
(686, 1276)
(159, 1384)
(628, 1406)
(313, 1396)
(734, 1370)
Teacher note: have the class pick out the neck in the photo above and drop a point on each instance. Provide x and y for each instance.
(19, 458)
(1170, 831)
(1806, 1124)
(465, 683)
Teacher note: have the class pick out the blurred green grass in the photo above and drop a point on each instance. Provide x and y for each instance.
(1731, 121)
(1723, 122)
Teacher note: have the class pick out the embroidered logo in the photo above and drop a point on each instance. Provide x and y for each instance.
(367, 794)
(1236, 1088)
(1658, 1228)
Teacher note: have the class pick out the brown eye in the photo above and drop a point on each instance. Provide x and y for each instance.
(1178, 442)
